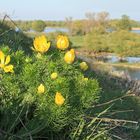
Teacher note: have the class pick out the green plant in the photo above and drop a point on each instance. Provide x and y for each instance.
(122, 42)
(23, 106)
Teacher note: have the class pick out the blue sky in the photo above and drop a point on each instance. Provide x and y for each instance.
(59, 9)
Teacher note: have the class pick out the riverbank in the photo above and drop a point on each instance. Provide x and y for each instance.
(135, 29)
(96, 58)
(114, 87)
(125, 65)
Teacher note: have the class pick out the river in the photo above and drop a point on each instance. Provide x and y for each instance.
(56, 29)
(136, 31)
(132, 72)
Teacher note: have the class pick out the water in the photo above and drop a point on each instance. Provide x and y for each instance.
(133, 73)
(133, 31)
(114, 59)
(136, 31)
(52, 29)
(66, 30)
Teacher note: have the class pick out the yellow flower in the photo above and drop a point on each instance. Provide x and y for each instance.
(4, 63)
(41, 44)
(83, 66)
(59, 99)
(86, 79)
(41, 89)
(54, 75)
(69, 56)
(62, 42)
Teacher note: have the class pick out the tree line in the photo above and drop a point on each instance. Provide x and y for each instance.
(91, 22)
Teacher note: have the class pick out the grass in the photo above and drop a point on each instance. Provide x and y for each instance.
(113, 89)
(127, 108)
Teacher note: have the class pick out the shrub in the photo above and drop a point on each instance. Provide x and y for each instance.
(97, 41)
(123, 43)
(38, 25)
(25, 112)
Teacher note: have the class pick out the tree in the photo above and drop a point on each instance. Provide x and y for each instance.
(125, 23)
(96, 20)
(90, 22)
(103, 19)
(38, 25)
(69, 24)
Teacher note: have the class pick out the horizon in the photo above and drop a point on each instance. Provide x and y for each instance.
(44, 10)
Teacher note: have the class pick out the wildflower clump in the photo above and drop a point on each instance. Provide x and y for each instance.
(4, 61)
(47, 93)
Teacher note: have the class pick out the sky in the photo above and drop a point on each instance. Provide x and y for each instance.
(60, 9)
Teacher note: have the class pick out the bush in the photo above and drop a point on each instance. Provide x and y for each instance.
(123, 43)
(38, 25)
(97, 41)
(125, 23)
(26, 113)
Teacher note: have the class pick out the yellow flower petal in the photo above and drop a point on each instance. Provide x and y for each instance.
(8, 68)
(2, 57)
(41, 89)
(4, 62)
(7, 60)
(1, 65)
(54, 75)
(41, 44)
(83, 66)
(59, 99)
(69, 56)
(62, 42)
(46, 48)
